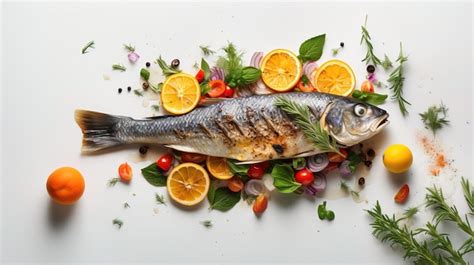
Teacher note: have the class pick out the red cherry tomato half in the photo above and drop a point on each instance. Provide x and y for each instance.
(367, 86)
(304, 176)
(200, 75)
(125, 172)
(217, 88)
(335, 157)
(402, 194)
(229, 92)
(305, 88)
(165, 162)
(192, 157)
(256, 171)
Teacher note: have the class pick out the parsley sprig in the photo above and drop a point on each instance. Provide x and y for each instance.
(396, 80)
(312, 130)
(370, 56)
(435, 117)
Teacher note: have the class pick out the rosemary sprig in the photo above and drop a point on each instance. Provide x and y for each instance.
(370, 56)
(89, 45)
(396, 80)
(410, 212)
(207, 223)
(119, 67)
(444, 212)
(113, 181)
(165, 68)
(435, 117)
(129, 47)
(312, 130)
(468, 194)
(386, 63)
(160, 199)
(117, 222)
(206, 50)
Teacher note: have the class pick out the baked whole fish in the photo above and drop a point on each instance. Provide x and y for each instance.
(246, 128)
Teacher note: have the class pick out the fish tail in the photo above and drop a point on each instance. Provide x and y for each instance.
(99, 130)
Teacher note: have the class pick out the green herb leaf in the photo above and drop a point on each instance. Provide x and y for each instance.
(410, 212)
(113, 181)
(157, 89)
(468, 194)
(283, 179)
(396, 80)
(117, 222)
(129, 47)
(354, 160)
(240, 170)
(126, 205)
(207, 223)
(160, 199)
(312, 49)
(165, 68)
(145, 74)
(205, 88)
(249, 75)
(118, 67)
(305, 80)
(371, 98)
(155, 107)
(153, 175)
(138, 92)
(89, 45)
(386, 63)
(206, 50)
(370, 56)
(435, 117)
(223, 199)
(205, 68)
(299, 162)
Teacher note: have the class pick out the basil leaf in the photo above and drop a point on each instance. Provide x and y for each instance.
(312, 49)
(305, 80)
(223, 199)
(211, 193)
(371, 98)
(249, 75)
(205, 88)
(354, 160)
(240, 170)
(205, 68)
(283, 179)
(299, 162)
(145, 74)
(153, 175)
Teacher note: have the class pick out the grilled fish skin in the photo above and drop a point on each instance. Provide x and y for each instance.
(246, 128)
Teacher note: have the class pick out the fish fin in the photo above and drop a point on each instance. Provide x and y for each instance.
(249, 162)
(211, 101)
(182, 148)
(99, 130)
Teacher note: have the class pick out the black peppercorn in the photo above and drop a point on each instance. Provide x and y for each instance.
(371, 153)
(120, 90)
(129, 88)
(362, 181)
(145, 85)
(342, 44)
(143, 149)
(370, 69)
(368, 163)
(175, 63)
(148, 64)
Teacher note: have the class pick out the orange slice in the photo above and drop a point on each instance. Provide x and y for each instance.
(281, 70)
(335, 77)
(188, 184)
(180, 93)
(218, 167)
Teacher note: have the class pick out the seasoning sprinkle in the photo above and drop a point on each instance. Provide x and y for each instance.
(129, 88)
(361, 181)
(120, 90)
(143, 149)
(148, 64)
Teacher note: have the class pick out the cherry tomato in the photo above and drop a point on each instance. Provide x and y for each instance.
(335, 157)
(304, 176)
(367, 86)
(235, 184)
(229, 92)
(165, 162)
(125, 172)
(200, 76)
(260, 204)
(256, 171)
(217, 88)
(192, 157)
(265, 165)
(402, 194)
(306, 88)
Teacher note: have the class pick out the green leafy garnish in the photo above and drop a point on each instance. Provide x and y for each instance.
(160, 199)
(117, 222)
(206, 50)
(325, 214)
(138, 92)
(386, 63)
(165, 68)
(222, 199)
(126, 205)
(435, 117)
(118, 67)
(207, 223)
(155, 107)
(335, 51)
(153, 175)
(145, 74)
(113, 181)
(240, 170)
(299, 162)
(410, 212)
(371, 98)
(468, 194)
(312, 130)
(396, 79)
(312, 49)
(89, 45)
(283, 179)
(236, 74)
(354, 160)
(305, 80)
(370, 56)
(157, 89)
(129, 47)
(207, 72)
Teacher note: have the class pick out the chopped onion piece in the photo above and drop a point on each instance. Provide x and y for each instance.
(317, 162)
(255, 187)
(133, 57)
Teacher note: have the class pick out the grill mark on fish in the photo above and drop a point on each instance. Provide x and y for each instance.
(205, 130)
(179, 133)
(270, 123)
(250, 114)
(223, 131)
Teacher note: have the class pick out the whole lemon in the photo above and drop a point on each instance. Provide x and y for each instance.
(397, 158)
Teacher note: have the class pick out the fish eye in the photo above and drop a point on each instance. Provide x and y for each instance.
(360, 110)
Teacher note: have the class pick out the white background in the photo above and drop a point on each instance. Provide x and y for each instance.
(45, 78)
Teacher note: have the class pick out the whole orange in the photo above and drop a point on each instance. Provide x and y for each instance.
(65, 185)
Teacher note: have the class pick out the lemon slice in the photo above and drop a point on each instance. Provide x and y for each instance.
(218, 167)
(281, 70)
(180, 93)
(188, 184)
(335, 77)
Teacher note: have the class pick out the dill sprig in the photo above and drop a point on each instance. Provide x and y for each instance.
(165, 68)
(232, 61)
(113, 181)
(386, 63)
(117, 222)
(370, 56)
(435, 117)
(396, 80)
(468, 194)
(444, 212)
(207, 223)
(89, 45)
(119, 67)
(129, 47)
(160, 199)
(206, 50)
(126, 205)
(312, 130)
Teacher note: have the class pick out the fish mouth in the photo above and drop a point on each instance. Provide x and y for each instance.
(380, 124)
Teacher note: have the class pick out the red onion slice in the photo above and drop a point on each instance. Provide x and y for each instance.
(317, 162)
(256, 59)
(309, 68)
(344, 169)
(255, 187)
(318, 185)
(217, 73)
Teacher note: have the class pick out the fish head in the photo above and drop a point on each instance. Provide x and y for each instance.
(350, 122)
